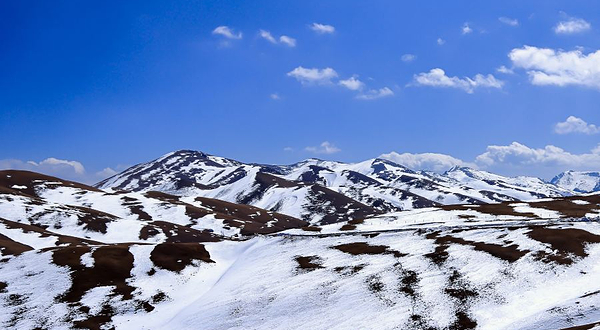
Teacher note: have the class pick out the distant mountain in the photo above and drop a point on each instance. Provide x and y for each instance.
(321, 191)
(582, 182)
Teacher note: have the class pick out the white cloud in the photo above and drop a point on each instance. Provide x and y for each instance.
(106, 173)
(322, 28)
(519, 155)
(289, 41)
(226, 32)
(557, 67)
(466, 29)
(408, 57)
(275, 96)
(505, 70)
(352, 83)
(571, 26)
(288, 149)
(286, 40)
(425, 161)
(575, 125)
(313, 75)
(440, 41)
(65, 169)
(438, 78)
(509, 21)
(324, 148)
(267, 36)
(373, 94)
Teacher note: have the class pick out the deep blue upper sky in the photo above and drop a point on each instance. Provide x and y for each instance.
(110, 84)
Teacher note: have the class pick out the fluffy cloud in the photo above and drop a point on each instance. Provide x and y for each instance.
(438, 78)
(509, 21)
(571, 26)
(425, 161)
(286, 40)
(517, 154)
(324, 148)
(440, 41)
(322, 28)
(466, 29)
(575, 125)
(226, 32)
(556, 67)
(408, 57)
(313, 75)
(373, 94)
(352, 83)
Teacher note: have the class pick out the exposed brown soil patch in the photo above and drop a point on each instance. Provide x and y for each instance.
(509, 253)
(176, 233)
(462, 322)
(309, 263)
(583, 326)
(349, 270)
(565, 243)
(176, 256)
(136, 208)
(311, 228)
(347, 227)
(112, 266)
(408, 283)
(359, 248)
(567, 208)
(503, 208)
(10, 247)
(62, 239)
(255, 219)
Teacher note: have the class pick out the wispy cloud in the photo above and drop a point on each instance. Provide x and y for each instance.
(438, 78)
(226, 32)
(324, 148)
(286, 40)
(289, 41)
(373, 94)
(275, 96)
(509, 21)
(408, 57)
(440, 41)
(313, 75)
(557, 67)
(575, 125)
(267, 36)
(322, 28)
(572, 26)
(505, 70)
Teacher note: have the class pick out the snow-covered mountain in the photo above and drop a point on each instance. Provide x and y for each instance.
(75, 256)
(583, 182)
(324, 191)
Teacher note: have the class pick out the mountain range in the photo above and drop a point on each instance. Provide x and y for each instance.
(191, 240)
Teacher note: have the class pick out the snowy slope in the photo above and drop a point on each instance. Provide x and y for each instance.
(583, 182)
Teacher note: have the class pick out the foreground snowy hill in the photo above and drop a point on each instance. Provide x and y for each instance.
(320, 191)
(75, 256)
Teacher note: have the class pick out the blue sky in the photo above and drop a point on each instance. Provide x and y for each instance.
(87, 89)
